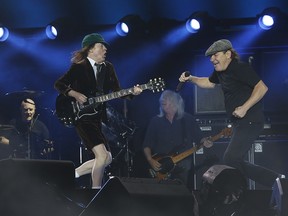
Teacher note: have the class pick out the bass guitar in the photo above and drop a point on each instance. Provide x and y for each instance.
(68, 110)
(169, 162)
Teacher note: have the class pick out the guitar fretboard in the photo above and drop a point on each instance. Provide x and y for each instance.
(190, 151)
(118, 94)
(185, 154)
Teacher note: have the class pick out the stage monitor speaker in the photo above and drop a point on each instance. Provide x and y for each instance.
(279, 199)
(225, 178)
(222, 191)
(54, 172)
(142, 197)
(35, 187)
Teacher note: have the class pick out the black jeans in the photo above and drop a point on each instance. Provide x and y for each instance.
(244, 134)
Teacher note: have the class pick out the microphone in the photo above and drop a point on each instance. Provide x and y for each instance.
(180, 84)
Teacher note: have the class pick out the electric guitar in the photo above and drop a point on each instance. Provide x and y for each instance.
(169, 162)
(68, 110)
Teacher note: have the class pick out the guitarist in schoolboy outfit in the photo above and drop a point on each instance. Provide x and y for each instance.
(89, 75)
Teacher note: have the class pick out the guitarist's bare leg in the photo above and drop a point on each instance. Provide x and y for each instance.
(96, 166)
(103, 159)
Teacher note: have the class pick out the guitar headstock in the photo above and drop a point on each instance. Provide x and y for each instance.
(156, 84)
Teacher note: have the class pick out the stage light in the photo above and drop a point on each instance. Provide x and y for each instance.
(266, 22)
(270, 17)
(193, 25)
(198, 21)
(130, 25)
(60, 28)
(4, 33)
(51, 32)
(122, 28)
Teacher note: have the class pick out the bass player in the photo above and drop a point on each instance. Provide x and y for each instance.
(171, 131)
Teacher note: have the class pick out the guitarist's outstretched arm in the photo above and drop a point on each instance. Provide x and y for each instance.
(153, 163)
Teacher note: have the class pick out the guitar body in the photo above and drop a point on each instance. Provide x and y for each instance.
(169, 162)
(68, 111)
(167, 166)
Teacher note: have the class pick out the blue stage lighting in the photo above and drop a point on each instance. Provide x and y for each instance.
(266, 22)
(4, 33)
(61, 28)
(130, 25)
(51, 32)
(199, 21)
(122, 29)
(193, 25)
(272, 17)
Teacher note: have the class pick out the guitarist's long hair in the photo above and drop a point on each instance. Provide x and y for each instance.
(79, 56)
(175, 99)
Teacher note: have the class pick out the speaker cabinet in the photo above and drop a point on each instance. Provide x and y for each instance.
(35, 187)
(272, 155)
(279, 199)
(141, 196)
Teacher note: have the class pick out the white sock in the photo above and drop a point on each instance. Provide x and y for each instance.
(76, 174)
(97, 187)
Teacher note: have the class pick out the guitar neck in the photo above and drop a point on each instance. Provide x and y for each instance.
(118, 94)
(216, 137)
(185, 154)
(190, 151)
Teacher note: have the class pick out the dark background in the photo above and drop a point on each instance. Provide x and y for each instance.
(29, 60)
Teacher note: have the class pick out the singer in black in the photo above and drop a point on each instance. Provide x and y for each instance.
(29, 137)
(243, 91)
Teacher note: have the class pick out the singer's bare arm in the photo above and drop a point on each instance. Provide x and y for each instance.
(202, 82)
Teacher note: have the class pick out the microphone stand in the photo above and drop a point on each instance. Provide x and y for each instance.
(29, 136)
(126, 136)
(128, 154)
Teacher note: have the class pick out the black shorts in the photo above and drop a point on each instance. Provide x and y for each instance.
(90, 131)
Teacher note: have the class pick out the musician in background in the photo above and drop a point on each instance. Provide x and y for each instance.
(90, 75)
(28, 137)
(172, 131)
